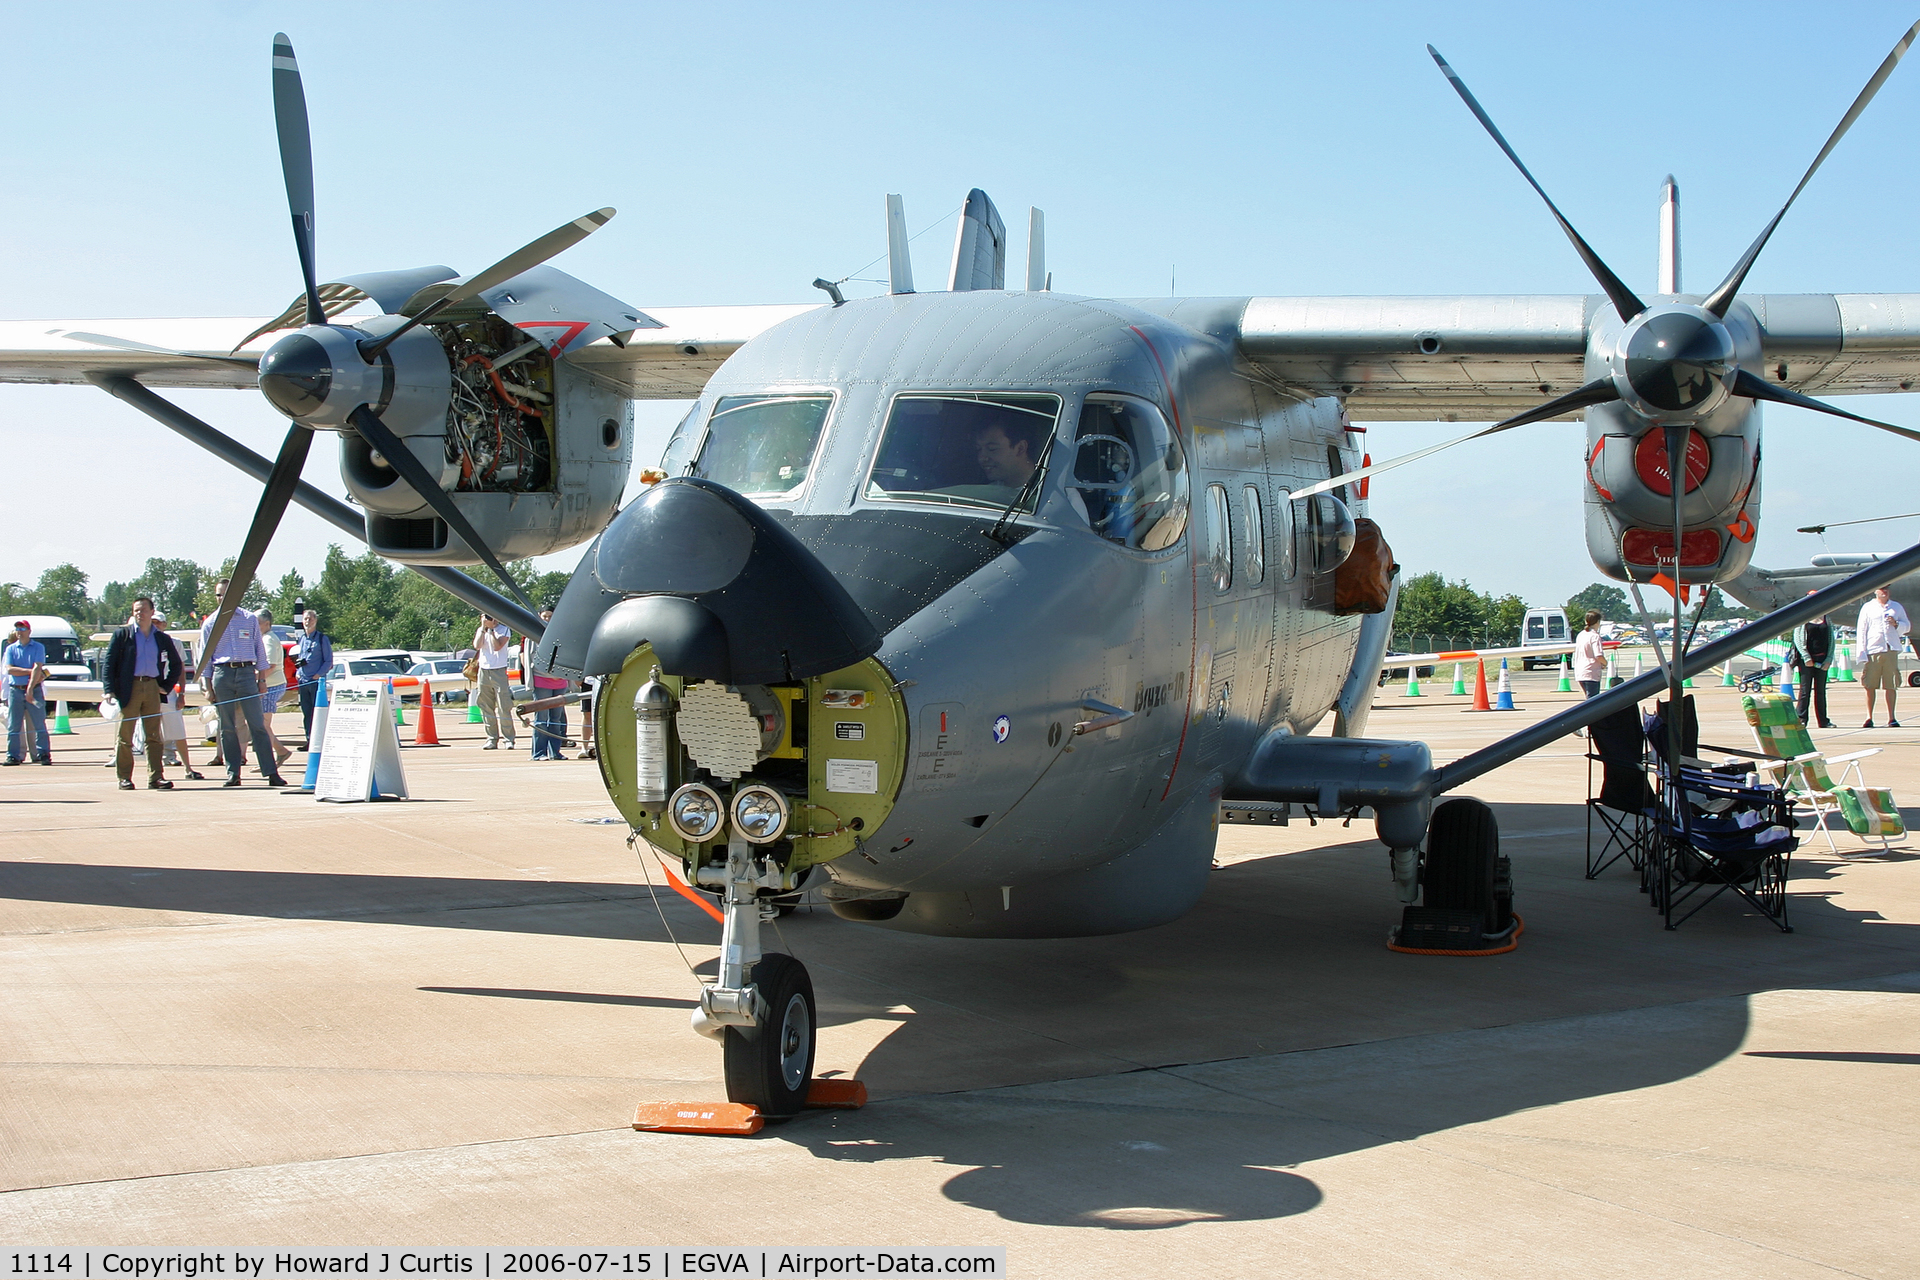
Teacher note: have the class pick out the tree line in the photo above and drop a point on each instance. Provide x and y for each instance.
(364, 602)
(1434, 614)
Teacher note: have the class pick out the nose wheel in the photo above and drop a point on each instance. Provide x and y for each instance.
(769, 1065)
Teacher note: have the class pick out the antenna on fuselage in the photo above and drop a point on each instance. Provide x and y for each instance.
(899, 260)
(1669, 237)
(1036, 251)
(979, 247)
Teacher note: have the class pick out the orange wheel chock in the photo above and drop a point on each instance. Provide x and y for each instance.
(836, 1095)
(721, 1119)
(739, 1119)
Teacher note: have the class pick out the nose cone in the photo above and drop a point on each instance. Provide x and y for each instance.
(295, 375)
(1679, 362)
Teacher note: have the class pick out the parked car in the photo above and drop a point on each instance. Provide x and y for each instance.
(445, 674)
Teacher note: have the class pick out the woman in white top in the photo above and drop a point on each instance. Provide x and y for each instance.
(1589, 657)
(273, 683)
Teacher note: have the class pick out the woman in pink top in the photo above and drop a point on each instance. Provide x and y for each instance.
(1589, 657)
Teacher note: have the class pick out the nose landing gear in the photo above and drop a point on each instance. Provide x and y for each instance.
(761, 1008)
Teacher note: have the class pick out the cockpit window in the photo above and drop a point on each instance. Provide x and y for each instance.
(969, 450)
(762, 445)
(1129, 473)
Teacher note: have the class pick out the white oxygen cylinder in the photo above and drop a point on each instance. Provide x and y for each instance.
(651, 707)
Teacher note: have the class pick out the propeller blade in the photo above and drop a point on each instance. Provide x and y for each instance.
(1755, 387)
(1599, 391)
(128, 344)
(296, 163)
(522, 259)
(401, 459)
(1625, 301)
(1722, 297)
(281, 482)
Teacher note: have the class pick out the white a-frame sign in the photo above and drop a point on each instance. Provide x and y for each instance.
(360, 759)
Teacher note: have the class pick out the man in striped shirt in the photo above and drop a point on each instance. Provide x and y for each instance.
(232, 678)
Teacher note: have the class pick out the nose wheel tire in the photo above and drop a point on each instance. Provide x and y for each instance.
(771, 1065)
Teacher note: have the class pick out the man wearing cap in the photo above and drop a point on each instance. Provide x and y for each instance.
(143, 666)
(26, 667)
(233, 680)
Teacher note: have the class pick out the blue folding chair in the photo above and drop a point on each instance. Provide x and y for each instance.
(1714, 832)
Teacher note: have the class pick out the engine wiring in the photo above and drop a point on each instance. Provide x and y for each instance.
(499, 431)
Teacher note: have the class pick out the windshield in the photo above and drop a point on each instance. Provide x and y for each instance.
(374, 667)
(65, 652)
(974, 450)
(762, 445)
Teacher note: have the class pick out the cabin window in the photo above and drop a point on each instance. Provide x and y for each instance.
(1536, 628)
(1283, 534)
(1219, 537)
(1129, 474)
(762, 446)
(1256, 538)
(982, 449)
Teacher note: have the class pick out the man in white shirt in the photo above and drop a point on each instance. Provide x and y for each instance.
(494, 644)
(1879, 636)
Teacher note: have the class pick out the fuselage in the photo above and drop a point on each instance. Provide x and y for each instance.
(1211, 631)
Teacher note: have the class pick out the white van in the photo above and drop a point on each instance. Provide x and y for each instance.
(68, 676)
(1543, 627)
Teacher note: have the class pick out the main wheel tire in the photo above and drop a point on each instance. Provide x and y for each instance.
(1463, 848)
(771, 1065)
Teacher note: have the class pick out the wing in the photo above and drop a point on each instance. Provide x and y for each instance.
(669, 363)
(1480, 358)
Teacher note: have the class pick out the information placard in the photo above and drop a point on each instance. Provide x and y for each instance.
(360, 759)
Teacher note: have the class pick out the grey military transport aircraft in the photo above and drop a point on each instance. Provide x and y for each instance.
(972, 611)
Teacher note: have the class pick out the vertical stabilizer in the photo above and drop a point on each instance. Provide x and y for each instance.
(899, 261)
(1036, 250)
(979, 246)
(1669, 237)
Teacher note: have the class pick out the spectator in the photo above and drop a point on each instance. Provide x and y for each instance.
(1812, 654)
(1589, 656)
(1881, 634)
(232, 679)
(173, 726)
(273, 683)
(589, 749)
(26, 660)
(314, 658)
(494, 645)
(144, 667)
(550, 722)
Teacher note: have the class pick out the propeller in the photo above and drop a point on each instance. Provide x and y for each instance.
(128, 344)
(1674, 358)
(525, 258)
(301, 371)
(296, 167)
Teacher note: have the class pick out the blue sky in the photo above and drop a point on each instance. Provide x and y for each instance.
(1254, 149)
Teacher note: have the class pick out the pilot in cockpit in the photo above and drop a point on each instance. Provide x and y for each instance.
(1004, 460)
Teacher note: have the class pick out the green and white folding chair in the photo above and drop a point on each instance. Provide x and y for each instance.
(1869, 812)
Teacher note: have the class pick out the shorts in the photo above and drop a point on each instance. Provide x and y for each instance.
(1880, 671)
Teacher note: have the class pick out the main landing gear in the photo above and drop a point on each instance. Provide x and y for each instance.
(761, 1008)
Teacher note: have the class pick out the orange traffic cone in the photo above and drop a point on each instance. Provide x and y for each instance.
(1480, 700)
(425, 733)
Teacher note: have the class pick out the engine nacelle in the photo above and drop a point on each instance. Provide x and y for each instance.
(1629, 493)
(535, 452)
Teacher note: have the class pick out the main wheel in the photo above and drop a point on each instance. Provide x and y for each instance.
(771, 1065)
(1463, 848)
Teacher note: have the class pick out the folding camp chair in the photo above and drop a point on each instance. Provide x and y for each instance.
(1625, 804)
(1802, 769)
(1713, 834)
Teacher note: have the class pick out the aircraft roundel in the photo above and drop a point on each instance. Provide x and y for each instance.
(1001, 728)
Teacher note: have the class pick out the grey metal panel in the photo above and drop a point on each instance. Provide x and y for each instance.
(1421, 358)
(547, 303)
